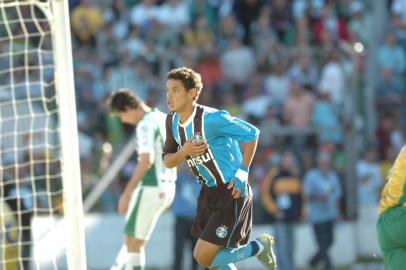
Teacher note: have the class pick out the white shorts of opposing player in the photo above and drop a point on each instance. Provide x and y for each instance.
(147, 204)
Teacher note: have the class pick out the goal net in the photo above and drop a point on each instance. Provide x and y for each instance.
(40, 195)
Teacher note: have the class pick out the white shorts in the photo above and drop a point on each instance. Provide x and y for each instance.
(147, 204)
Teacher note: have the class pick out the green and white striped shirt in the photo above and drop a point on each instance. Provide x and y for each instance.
(150, 138)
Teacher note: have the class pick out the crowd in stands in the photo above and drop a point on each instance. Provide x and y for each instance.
(276, 63)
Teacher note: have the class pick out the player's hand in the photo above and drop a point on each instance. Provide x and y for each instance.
(239, 188)
(190, 148)
(123, 203)
(239, 183)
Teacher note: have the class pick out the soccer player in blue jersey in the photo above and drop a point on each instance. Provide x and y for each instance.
(209, 141)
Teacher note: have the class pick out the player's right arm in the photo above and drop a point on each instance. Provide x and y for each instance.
(173, 155)
(190, 148)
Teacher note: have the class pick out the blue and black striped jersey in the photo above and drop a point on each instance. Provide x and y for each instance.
(222, 132)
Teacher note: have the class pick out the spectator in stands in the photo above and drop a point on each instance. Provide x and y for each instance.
(304, 71)
(392, 64)
(174, 14)
(398, 26)
(297, 112)
(302, 35)
(118, 16)
(282, 19)
(247, 12)
(268, 125)
(256, 102)
(399, 7)
(299, 9)
(277, 85)
(238, 64)
(389, 92)
(227, 29)
(230, 104)
(261, 30)
(86, 20)
(208, 65)
(269, 54)
(332, 80)
(143, 13)
(282, 198)
(312, 8)
(331, 23)
(369, 178)
(208, 9)
(322, 191)
(198, 35)
(360, 24)
(134, 44)
(163, 38)
(326, 120)
(184, 208)
(108, 45)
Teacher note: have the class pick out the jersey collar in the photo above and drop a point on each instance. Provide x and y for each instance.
(190, 119)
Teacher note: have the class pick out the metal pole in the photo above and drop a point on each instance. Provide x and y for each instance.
(379, 13)
(350, 135)
(350, 147)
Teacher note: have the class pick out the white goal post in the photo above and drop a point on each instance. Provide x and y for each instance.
(69, 136)
(39, 151)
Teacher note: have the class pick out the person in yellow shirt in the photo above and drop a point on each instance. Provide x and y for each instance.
(86, 20)
(391, 225)
(8, 231)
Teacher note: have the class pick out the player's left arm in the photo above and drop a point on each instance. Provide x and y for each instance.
(222, 123)
(240, 180)
(238, 129)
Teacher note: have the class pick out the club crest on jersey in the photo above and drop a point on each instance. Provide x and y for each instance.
(221, 231)
(198, 160)
(197, 137)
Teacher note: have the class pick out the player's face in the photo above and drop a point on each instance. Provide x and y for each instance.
(177, 96)
(130, 116)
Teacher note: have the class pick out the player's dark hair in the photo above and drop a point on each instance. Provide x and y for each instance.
(189, 78)
(123, 99)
